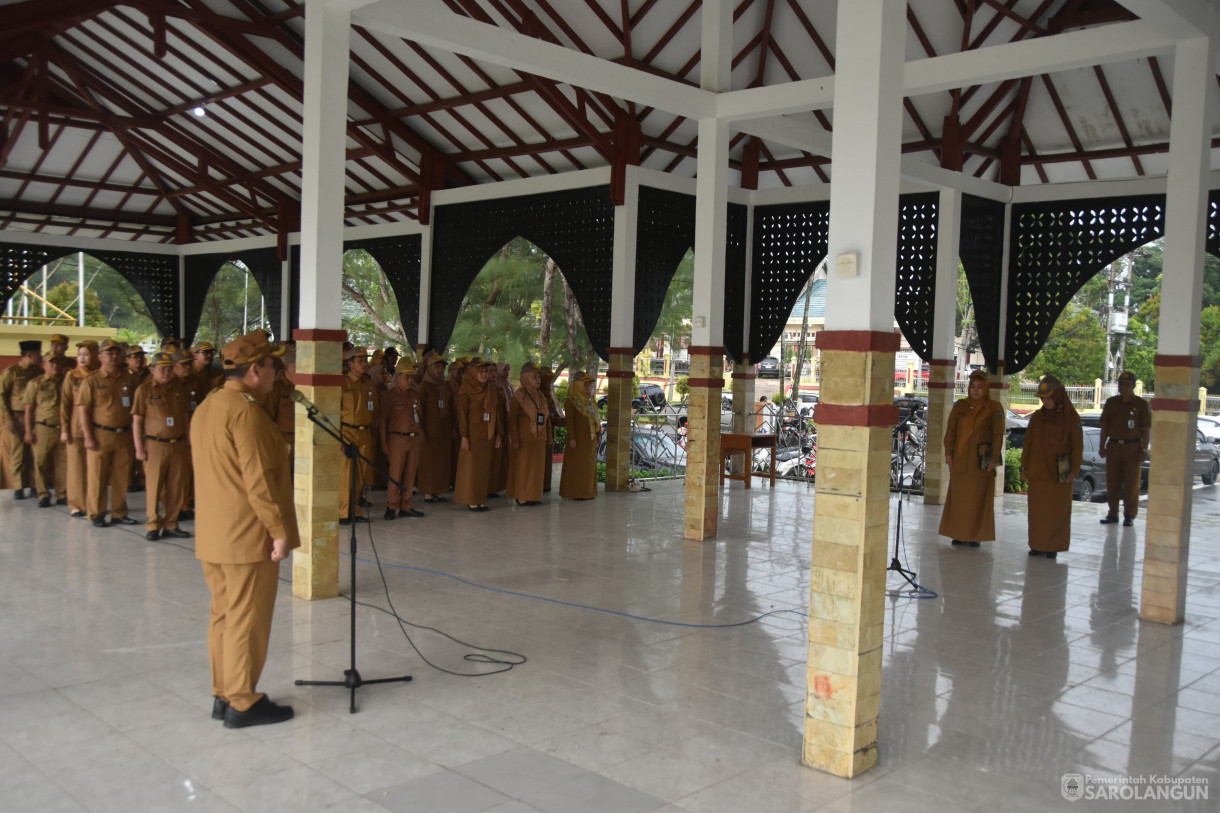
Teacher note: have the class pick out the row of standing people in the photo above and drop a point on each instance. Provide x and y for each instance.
(96, 423)
(1051, 457)
(461, 427)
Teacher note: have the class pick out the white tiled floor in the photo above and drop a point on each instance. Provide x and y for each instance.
(1021, 671)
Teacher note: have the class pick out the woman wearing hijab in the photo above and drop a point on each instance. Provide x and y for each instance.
(1050, 460)
(439, 411)
(498, 379)
(86, 363)
(974, 448)
(579, 478)
(478, 426)
(528, 417)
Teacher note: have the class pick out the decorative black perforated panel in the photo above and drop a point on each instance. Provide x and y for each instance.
(915, 277)
(574, 227)
(20, 260)
(789, 243)
(1056, 248)
(201, 269)
(399, 258)
(1213, 223)
(665, 232)
(981, 250)
(735, 281)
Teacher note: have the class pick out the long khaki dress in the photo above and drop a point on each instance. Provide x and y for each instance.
(969, 514)
(474, 464)
(528, 438)
(1050, 501)
(578, 481)
(440, 413)
(498, 479)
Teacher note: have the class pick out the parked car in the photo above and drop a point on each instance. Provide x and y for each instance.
(651, 450)
(1209, 425)
(1014, 429)
(1090, 481)
(651, 398)
(1207, 458)
(768, 367)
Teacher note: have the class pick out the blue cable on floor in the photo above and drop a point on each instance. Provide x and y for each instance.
(577, 606)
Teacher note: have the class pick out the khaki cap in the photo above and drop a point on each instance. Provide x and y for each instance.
(250, 348)
(59, 337)
(162, 359)
(1127, 376)
(405, 365)
(200, 347)
(182, 357)
(135, 350)
(109, 344)
(355, 353)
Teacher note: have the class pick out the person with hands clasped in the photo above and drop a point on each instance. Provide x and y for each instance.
(159, 429)
(400, 421)
(974, 447)
(478, 426)
(1050, 460)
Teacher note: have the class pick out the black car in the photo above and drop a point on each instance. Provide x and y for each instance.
(1090, 481)
(768, 367)
(651, 399)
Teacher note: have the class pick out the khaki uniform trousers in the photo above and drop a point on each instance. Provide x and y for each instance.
(165, 475)
(78, 492)
(1123, 477)
(50, 461)
(363, 438)
(404, 464)
(15, 454)
(109, 466)
(243, 599)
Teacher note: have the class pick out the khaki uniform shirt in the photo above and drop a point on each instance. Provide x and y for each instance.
(359, 405)
(164, 409)
(110, 396)
(43, 395)
(67, 399)
(402, 412)
(12, 387)
(243, 480)
(1125, 421)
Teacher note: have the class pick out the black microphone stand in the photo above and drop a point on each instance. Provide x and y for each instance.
(351, 677)
(896, 565)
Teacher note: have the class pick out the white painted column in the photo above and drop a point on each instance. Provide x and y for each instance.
(286, 294)
(425, 289)
(323, 159)
(1176, 405)
(621, 356)
(856, 411)
(944, 321)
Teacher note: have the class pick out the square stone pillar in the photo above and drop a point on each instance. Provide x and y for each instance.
(703, 443)
(1167, 539)
(619, 392)
(315, 565)
(940, 401)
(856, 415)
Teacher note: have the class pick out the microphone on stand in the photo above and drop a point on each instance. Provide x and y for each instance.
(300, 398)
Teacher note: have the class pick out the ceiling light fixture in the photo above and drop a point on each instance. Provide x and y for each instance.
(200, 112)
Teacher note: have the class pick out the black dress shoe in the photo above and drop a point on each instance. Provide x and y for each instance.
(19, 494)
(44, 502)
(152, 536)
(1109, 519)
(123, 521)
(1036, 553)
(956, 542)
(410, 512)
(345, 521)
(365, 503)
(78, 514)
(390, 513)
(1127, 521)
(100, 521)
(264, 712)
(1052, 555)
(972, 544)
(62, 501)
(219, 707)
(176, 533)
(359, 520)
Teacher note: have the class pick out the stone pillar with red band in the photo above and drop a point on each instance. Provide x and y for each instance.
(856, 416)
(703, 443)
(619, 392)
(744, 422)
(319, 377)
(942, 376)
(1167, 539)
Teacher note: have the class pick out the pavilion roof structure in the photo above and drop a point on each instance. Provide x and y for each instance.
(179, 121)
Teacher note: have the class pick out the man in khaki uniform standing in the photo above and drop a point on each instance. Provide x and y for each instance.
(209, 377)
(357, 411)
(247, 525)
(159, 425)
(70, 438)
(400, 420)
(42, 432)
(59, 347)
(184, 372)
(1125, 423)
(12, 409)
(103, 410)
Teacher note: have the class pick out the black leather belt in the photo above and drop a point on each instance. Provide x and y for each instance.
(48, 425)
(113, 428)
(404, 434)
(356, 425)
(164, 440)
(1128, 440)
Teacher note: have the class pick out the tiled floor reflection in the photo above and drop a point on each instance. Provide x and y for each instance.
(1021, 671)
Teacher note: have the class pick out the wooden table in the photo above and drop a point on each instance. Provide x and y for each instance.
(746, 444)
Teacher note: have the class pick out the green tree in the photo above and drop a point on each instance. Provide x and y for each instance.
(119, 304)
(674, 323)
(231, 306)
(1075, 351)
(63, 296)
(370, 310)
